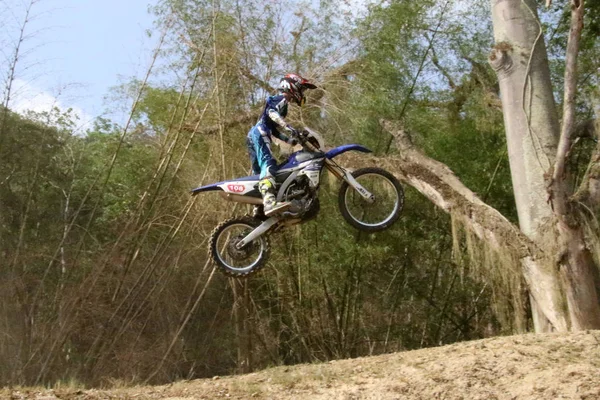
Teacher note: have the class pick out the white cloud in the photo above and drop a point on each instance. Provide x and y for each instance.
(28, 97)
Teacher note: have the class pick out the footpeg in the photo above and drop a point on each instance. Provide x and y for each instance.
(277, 208)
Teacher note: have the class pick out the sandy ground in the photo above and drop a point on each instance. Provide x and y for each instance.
(549, 366)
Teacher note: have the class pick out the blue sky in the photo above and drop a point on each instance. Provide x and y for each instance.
(75, 51)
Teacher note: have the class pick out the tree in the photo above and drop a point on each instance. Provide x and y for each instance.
(538, 158)
(551, 247)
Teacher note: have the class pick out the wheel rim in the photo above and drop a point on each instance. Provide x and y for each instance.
(379, 212)
(240, 260)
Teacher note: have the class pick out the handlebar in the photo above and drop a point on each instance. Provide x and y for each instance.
(307, 145)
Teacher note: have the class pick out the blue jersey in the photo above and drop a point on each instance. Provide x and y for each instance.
(269, 123)
(272, 117)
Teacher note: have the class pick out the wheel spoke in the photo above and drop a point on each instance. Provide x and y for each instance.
(228, 256)
(385, 204)
(376, 215)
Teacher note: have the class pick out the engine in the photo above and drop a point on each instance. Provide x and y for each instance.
(304, 200)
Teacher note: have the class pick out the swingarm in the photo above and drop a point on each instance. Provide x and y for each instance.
(258, 231)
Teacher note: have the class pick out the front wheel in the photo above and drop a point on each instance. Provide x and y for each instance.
(231, 260)
(383, 211)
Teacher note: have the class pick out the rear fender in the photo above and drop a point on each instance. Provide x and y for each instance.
(240, 186)
(207, 188)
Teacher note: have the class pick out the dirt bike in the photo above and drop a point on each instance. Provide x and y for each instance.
(369, 199)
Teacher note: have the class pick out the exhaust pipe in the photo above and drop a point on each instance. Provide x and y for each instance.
(241, 199)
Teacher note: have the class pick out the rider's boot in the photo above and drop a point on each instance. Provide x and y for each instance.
(267, 190)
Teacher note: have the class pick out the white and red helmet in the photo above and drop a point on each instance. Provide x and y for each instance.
(295, 85)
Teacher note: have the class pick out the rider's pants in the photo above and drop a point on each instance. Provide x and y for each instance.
(259, 150)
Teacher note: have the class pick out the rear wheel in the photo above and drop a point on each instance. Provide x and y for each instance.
(376, 215)
(231, 260)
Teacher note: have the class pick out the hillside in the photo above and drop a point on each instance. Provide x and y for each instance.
(549, 366)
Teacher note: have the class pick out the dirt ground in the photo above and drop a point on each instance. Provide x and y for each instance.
(548, 366)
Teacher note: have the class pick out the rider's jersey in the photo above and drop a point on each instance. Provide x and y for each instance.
(271, 121)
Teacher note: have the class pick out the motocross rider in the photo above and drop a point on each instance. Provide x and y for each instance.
(272, 122)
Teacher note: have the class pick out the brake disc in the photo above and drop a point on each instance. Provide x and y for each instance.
(244, 252)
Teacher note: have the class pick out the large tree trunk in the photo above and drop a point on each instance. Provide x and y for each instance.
(532, 130)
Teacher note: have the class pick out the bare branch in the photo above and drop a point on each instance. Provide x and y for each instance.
(245, 71)
(568, 121)
(440, 68)
(588, 192)
(586, 129)
(421, 66)
(228, 123)
(297, 34)
(12, 74)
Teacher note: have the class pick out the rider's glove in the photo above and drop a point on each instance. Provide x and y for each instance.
(294, 135)
(293, 132)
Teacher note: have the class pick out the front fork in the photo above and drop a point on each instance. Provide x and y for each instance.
(344, 174)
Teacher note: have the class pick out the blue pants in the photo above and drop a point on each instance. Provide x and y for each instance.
(259, 150)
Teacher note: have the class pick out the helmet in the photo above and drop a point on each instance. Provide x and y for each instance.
(295, 85)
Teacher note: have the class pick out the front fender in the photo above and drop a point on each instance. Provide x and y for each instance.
(347, 147)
